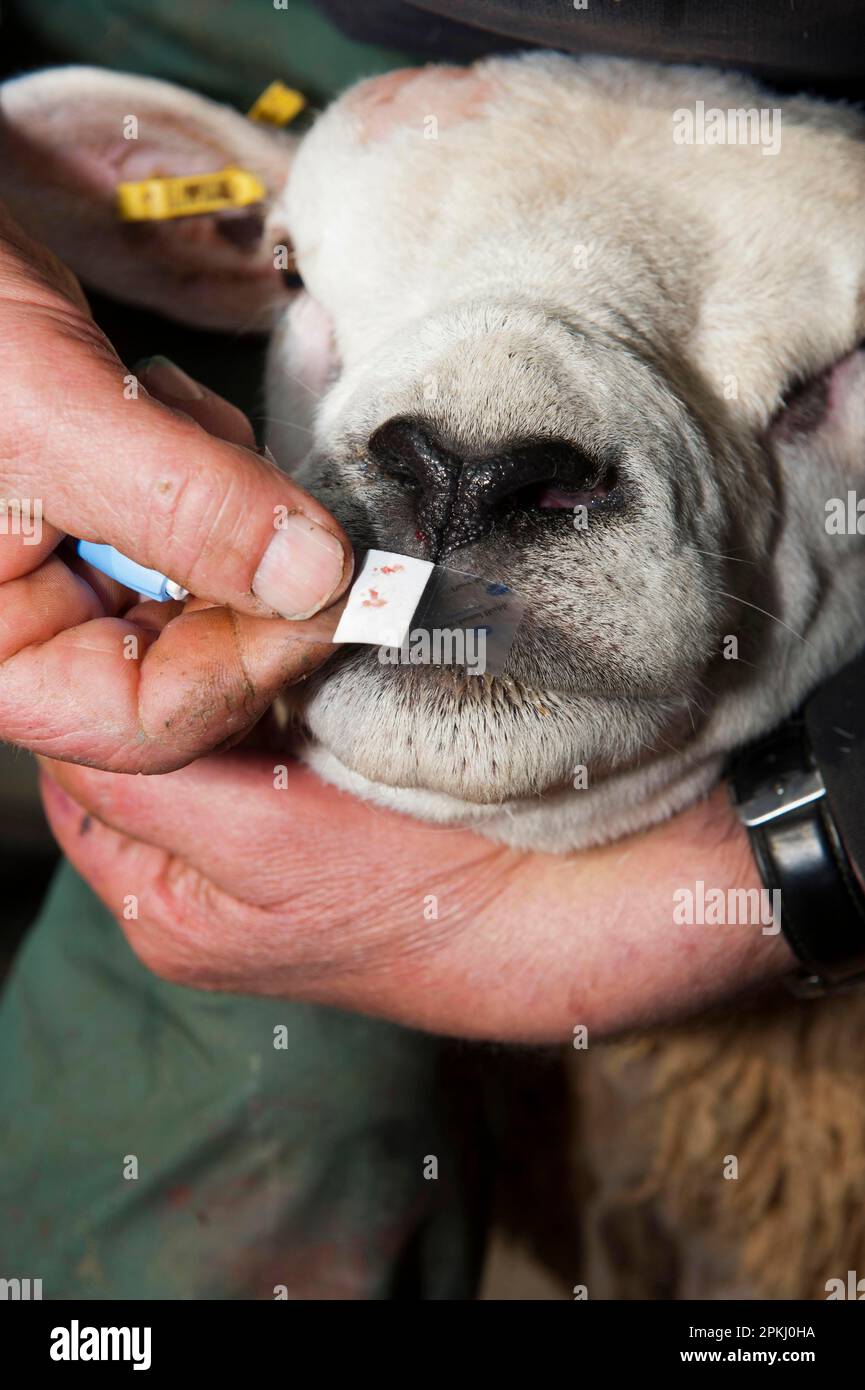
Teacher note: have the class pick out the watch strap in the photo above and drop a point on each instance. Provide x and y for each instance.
(782, 800)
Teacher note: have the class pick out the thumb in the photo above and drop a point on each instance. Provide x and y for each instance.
(114, 465)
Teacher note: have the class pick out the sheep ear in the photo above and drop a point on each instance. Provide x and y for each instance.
(69, 136)
(823, 424)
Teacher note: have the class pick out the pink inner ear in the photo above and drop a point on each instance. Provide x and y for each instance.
(831, 402)
(315, 360)
(409, 96)
(131, 160)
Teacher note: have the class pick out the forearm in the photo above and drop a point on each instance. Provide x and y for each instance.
(542, 943)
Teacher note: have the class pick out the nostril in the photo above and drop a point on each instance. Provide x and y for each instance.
(413, 459)
(406, 452)
(553, 497)
(419, 465)
(546, 475)
(402, 476)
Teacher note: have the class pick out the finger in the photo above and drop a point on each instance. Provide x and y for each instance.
(214, 414)
(163, 379)
(209, 814)
(25, 539)
(36, 607)
(169, 914)
(212, 813)
(115, 865)
(215, 517)
(120, 699)
(258, 893)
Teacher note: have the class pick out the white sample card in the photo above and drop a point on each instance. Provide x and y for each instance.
(383, 599)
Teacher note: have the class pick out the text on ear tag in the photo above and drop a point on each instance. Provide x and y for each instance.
(277, 105)
(155, 200)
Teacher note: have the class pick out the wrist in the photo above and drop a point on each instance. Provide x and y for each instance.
(799, 793)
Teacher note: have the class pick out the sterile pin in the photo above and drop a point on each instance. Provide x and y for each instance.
(149, 583)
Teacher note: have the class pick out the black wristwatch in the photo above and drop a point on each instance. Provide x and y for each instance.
(800, 793)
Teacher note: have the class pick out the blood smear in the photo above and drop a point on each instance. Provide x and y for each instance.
(395, 597)
(383, 599)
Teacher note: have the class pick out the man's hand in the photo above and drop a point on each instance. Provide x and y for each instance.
(230, 876)
(87, 673)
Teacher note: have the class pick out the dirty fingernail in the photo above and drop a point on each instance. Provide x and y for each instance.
(301, 569)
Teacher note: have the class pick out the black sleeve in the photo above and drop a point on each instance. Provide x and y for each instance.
(815, 43)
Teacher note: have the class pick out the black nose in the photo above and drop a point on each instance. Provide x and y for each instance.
(459, 498)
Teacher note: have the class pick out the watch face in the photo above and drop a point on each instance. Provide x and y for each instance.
(835, 720)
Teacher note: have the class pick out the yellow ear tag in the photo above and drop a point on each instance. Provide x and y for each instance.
(155, 200)
(277, 105)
